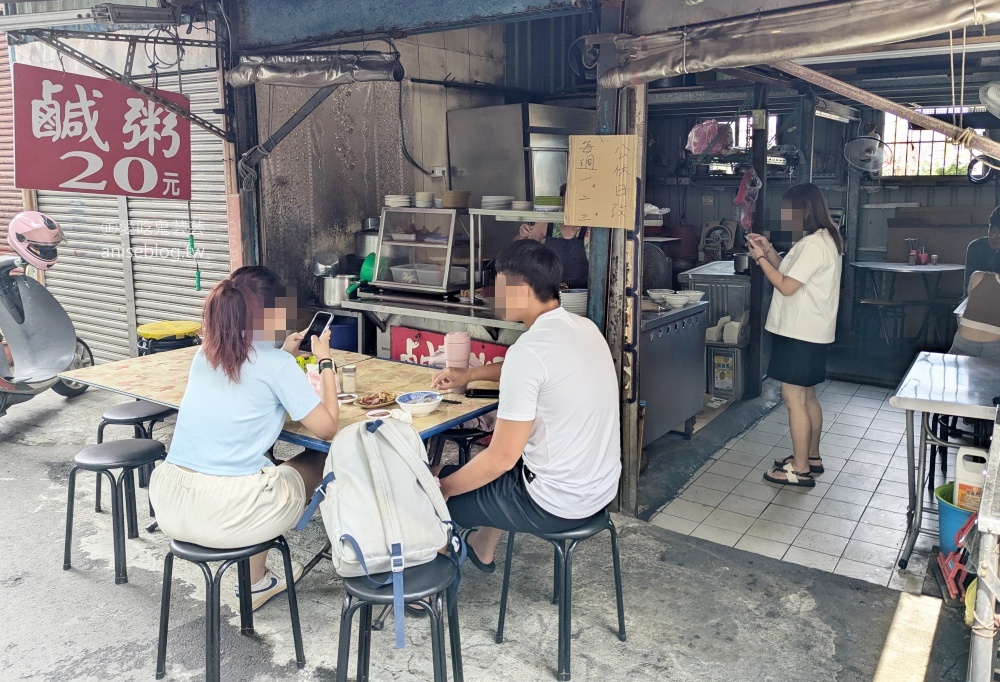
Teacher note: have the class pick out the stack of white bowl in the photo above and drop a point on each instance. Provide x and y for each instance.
(424, 200)
(522, 206)
(438, 203)
(497, 203)
(398, 200)
(574, 301)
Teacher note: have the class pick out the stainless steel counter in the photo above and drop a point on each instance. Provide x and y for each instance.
(481, 322)
(652, 320)
(672, 368)
(485, 315)
(719, 268)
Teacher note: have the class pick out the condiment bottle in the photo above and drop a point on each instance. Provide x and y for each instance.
(350, 380)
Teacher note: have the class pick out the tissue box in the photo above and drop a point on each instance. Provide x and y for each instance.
(714, 334)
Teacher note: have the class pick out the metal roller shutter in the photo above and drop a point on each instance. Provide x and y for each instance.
(163, 272)
(11, 200)
(106, 296)
(89, 279)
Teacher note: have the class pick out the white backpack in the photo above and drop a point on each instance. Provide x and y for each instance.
(381, 506)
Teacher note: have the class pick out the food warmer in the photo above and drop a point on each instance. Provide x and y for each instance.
(423, 250)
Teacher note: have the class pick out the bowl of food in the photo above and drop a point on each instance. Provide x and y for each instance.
(419, 403)
(693, 295)
(377, 399)
(675, 300)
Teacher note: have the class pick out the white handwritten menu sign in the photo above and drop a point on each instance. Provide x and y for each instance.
(601, 187)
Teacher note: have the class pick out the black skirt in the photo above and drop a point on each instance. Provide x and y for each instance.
(796, 362)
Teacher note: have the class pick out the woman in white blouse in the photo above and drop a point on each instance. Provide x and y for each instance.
(802, 321)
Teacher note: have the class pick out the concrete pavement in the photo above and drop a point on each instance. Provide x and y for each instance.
(694, 610)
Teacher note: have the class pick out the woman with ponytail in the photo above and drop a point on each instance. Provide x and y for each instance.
(217, 487)
(802, 322)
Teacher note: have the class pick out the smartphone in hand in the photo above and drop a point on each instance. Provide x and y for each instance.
(320, 322)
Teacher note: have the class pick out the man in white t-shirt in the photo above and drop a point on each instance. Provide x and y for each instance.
(555, 456)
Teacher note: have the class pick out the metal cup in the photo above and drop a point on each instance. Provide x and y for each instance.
(934, 259)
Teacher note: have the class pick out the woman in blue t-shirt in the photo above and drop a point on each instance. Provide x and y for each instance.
(217, 487)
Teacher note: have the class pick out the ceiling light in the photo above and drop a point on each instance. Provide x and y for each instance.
(834, 111)
(133, 14)
(832, 117)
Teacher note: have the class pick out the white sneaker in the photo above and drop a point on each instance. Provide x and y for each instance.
(272, 585)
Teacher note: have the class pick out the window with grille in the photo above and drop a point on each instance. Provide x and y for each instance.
(918, 152)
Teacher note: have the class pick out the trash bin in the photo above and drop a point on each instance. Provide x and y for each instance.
(157, 337)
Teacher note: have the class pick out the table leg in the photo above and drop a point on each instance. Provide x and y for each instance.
(874, 277)
(915, 515)
(981, 654)
(910, 474)
(892, 285)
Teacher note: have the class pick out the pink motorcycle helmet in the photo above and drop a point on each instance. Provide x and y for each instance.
(35, 237)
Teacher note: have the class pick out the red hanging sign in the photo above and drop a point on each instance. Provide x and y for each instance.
(80, 134)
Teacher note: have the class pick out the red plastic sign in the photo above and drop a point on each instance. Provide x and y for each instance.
(80, 134)
(416, 346)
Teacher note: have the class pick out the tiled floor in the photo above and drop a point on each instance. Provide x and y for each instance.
(852, 523)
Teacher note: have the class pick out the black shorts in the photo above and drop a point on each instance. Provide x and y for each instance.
(505, 504)
(796, 362)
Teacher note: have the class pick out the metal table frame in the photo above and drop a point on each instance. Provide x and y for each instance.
(914, 394)
(930, 275)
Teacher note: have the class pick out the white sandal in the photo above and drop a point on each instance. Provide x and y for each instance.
(791, 477)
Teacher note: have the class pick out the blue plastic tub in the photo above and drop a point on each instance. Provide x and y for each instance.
(344, 334)
(950, 517)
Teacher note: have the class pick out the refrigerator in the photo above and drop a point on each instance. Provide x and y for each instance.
(520, 150)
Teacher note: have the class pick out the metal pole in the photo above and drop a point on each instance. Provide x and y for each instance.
(755, 370)
(607, 122)
(807, 135)
(626, 278)
(983, 650)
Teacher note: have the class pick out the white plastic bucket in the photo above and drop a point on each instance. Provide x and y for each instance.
(970, 475)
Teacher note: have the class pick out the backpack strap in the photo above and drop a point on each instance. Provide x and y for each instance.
(423, 474)
(317, 497)
(457, 555)
(390, 524)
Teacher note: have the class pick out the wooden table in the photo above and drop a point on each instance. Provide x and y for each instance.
(162, 378)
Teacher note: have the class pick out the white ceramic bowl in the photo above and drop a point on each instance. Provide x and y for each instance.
(675, 300)
(419, 403)
(693, 295)
(659, 294)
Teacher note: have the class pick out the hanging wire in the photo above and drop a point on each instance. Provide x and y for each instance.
(191, 246)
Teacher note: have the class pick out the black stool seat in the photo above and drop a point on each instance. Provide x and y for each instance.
(126, 455)
(133, 452)
(198, 554)
(419, 582)
(432, 580)
(137, 411)
(202, 557)
(564, 545)
(590, 527)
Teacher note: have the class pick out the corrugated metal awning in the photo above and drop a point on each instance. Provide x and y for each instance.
(787, 35)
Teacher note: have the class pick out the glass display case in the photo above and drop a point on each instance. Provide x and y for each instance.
(424, 250)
